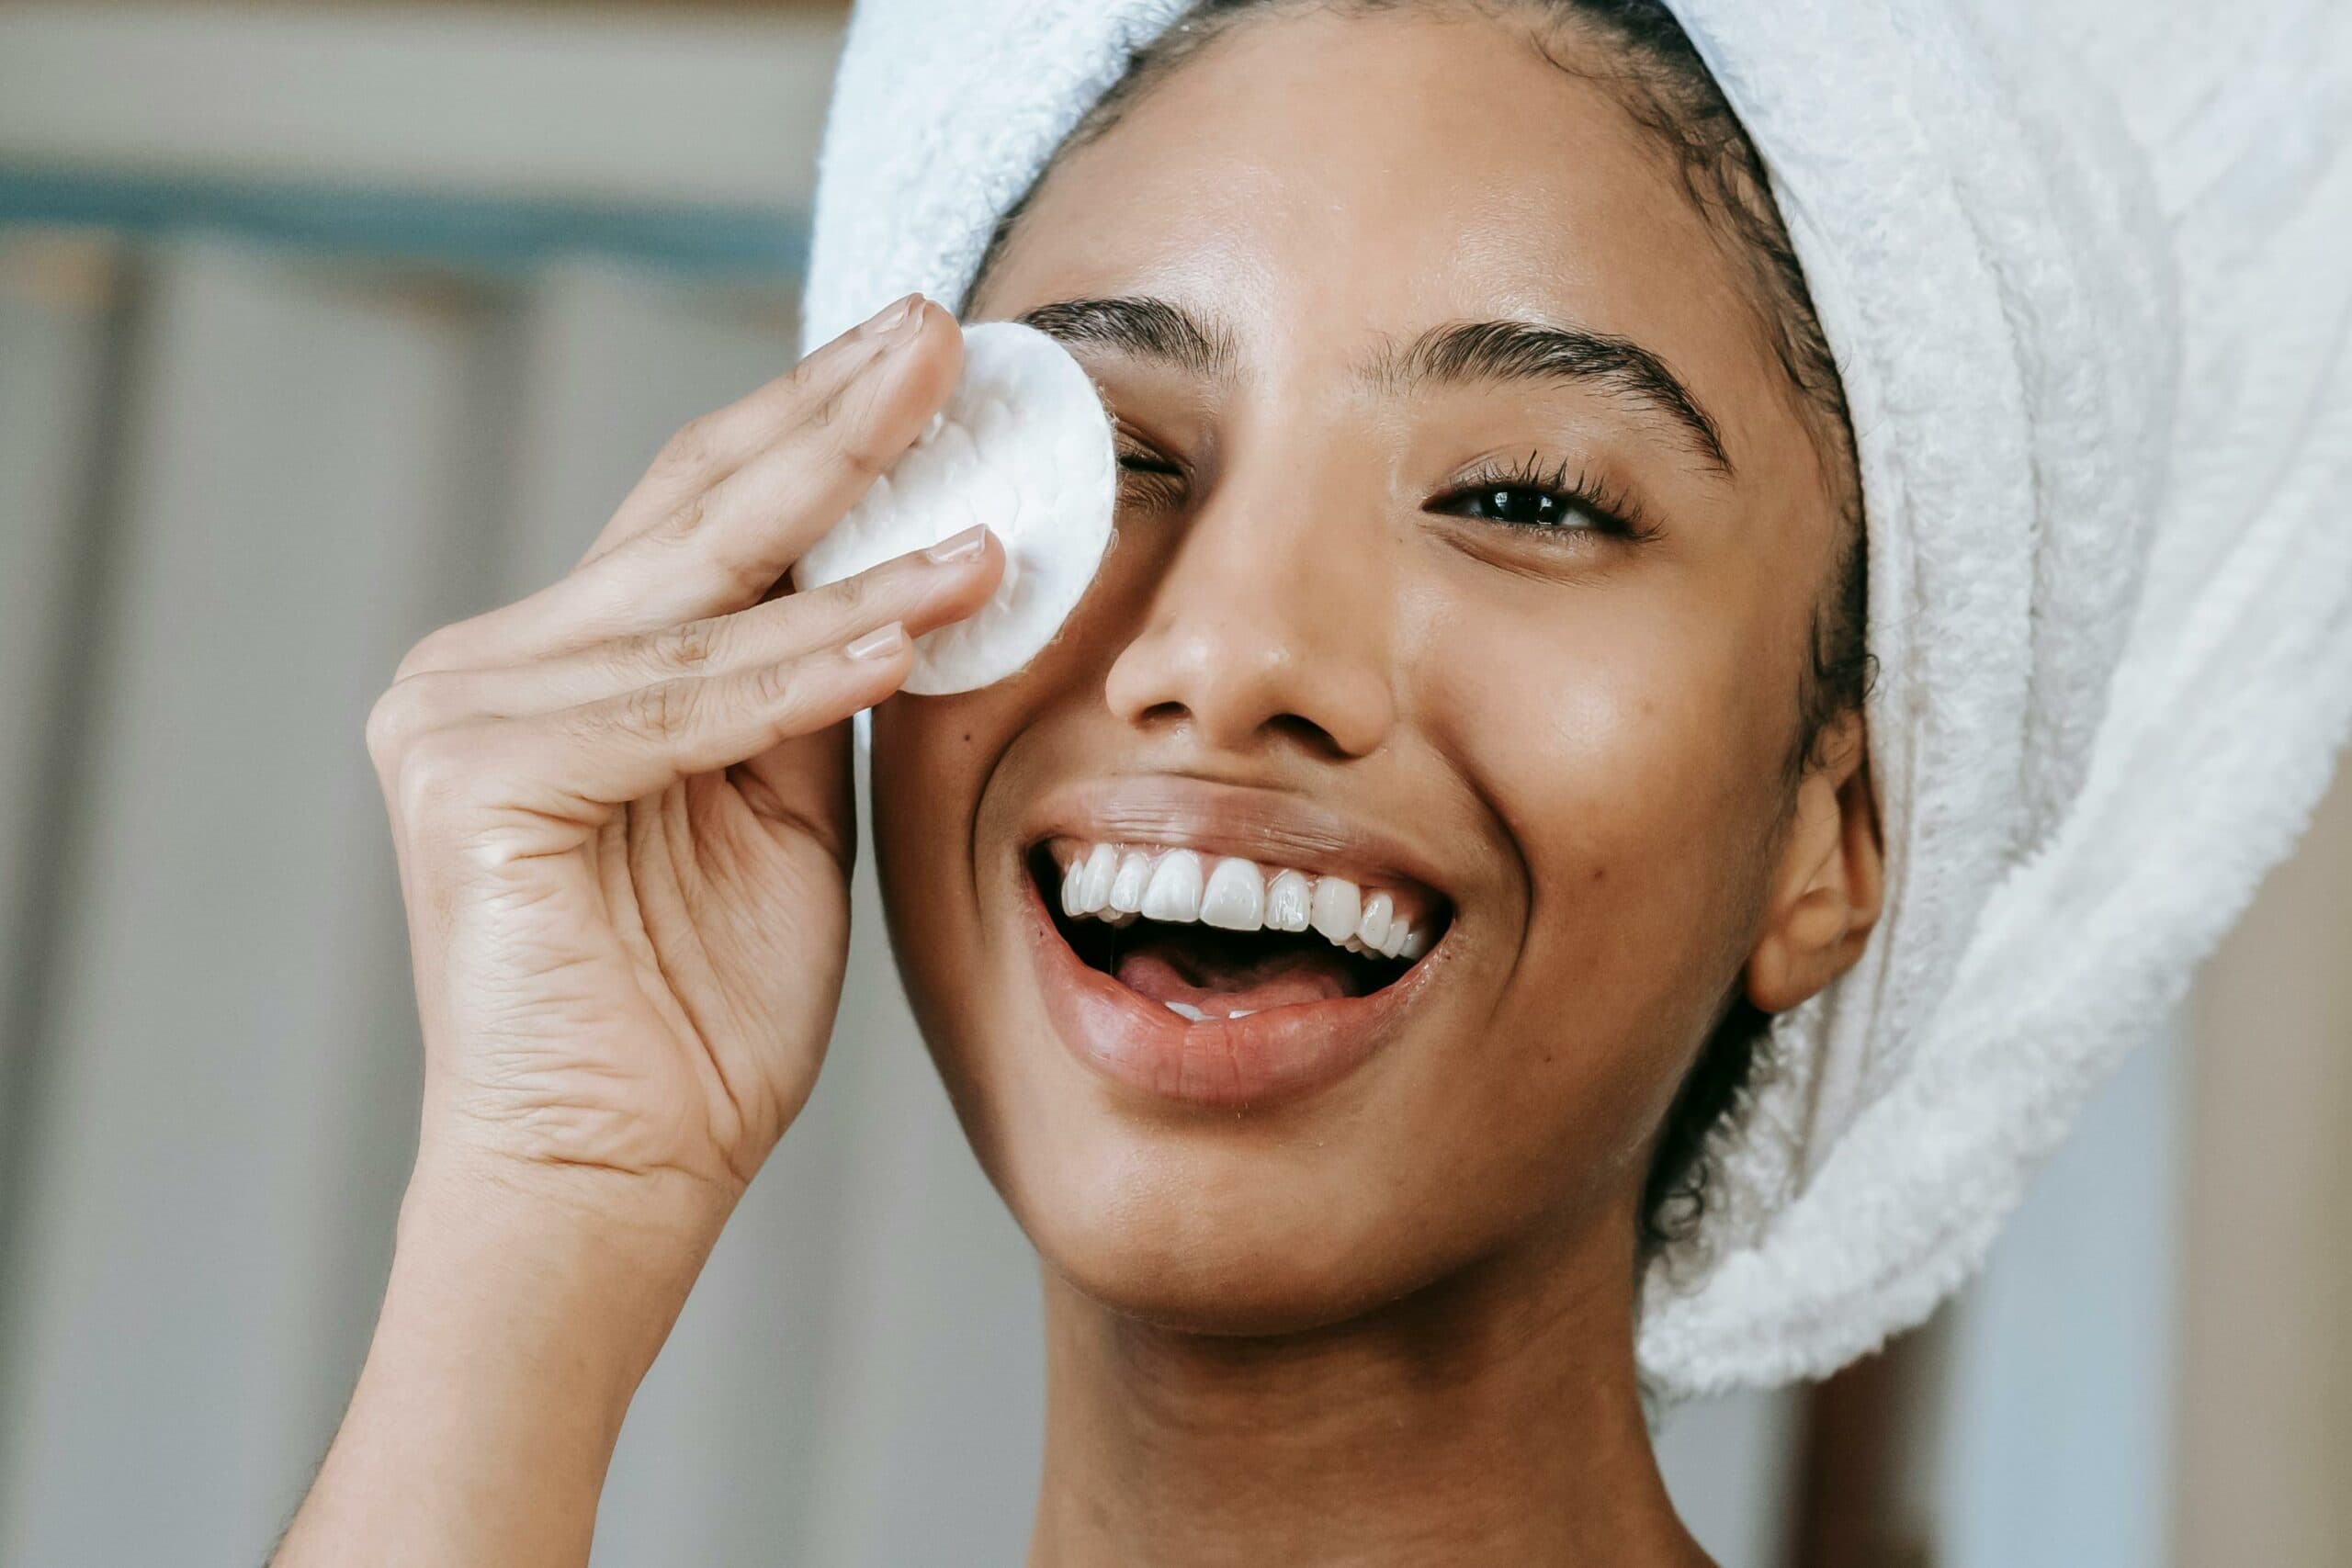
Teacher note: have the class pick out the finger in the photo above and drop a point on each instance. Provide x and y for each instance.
(627, 747)
(728, 545)
(733, 544)
(921, 591)
(551, 775)
(708, 449)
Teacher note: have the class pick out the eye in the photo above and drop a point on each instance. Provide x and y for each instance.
(1521, 505)
(1526, 495)
(1146, 476)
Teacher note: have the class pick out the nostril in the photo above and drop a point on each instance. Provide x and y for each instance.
(1235, 678)
(1304, 733)
(1307, 733)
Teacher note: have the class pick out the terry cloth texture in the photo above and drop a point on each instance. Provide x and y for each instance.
(2086, 269)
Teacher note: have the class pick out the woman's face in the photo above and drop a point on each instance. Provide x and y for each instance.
(1469, 550)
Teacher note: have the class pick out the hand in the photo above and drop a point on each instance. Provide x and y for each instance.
(622, 810)
(622, 805)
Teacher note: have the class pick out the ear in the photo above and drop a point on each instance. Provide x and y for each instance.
(1829, 882)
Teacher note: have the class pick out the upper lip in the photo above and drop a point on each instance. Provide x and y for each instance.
(1270, 826)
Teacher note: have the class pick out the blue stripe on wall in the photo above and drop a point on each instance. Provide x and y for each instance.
(463, 229)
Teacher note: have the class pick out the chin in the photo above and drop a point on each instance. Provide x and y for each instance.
(1254, 1260)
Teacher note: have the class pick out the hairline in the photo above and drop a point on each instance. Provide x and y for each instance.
(1839, 670)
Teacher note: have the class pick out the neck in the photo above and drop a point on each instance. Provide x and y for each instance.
(1495, 1418)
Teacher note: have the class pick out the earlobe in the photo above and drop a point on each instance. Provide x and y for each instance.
(1829, 883)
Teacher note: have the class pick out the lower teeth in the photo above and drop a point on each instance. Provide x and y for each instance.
(1187, 1011)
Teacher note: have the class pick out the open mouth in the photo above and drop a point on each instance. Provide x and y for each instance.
(1222, 938)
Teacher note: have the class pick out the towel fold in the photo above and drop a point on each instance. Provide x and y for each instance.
(2086, 269)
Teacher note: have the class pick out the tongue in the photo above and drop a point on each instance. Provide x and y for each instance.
(1220, 982)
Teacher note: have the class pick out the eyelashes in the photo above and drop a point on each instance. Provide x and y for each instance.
(1527, 496)
(1562, 502)
(1145, 478)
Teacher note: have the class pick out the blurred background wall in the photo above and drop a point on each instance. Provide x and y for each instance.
(321, 326)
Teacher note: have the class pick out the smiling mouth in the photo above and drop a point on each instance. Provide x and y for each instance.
(1217, 939)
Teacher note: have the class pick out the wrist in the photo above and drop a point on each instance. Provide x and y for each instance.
(524, 1308)
(591, 1264)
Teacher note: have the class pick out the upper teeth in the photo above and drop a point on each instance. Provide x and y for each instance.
(1117, 884)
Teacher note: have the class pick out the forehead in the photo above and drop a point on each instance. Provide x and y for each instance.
(1330, 178)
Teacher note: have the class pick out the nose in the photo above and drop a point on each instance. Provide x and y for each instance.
(1268, 622)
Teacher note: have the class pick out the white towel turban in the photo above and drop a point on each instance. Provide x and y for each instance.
(2086, 269)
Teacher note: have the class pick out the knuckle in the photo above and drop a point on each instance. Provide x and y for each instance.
(391, 720)
(691, 448)
(824, 413)
(410, 708)
(775, 686)
(686, 519)
(865, 457)
(436, 649)
(750, 576)
(851, 596)
(434, 772)
(664, 710)
(690, 647)
(813, 377)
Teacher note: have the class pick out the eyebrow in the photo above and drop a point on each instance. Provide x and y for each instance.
(1456, 353)
(1528, 351)
(1146, 328)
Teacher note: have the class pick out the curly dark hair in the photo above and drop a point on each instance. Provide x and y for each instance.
(1639, 52)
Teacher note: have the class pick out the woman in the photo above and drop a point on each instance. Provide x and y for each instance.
(1489, 571)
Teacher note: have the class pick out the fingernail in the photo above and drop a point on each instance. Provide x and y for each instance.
(879, 643)
(959, 547)
(892, 319)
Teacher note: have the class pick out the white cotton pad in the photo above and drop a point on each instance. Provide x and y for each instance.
(1023, 446)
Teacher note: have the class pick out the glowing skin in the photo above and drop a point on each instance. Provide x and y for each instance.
(1339, 1247)
(1577, 740)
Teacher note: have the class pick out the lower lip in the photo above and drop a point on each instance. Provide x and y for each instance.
(1227, 1063)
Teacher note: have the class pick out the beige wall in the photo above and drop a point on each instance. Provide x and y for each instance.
(2265, 1408)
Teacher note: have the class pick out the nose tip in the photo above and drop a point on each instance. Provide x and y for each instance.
(1248, 675)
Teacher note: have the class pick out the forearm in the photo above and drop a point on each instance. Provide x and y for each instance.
(621, 807)
(515, 1331)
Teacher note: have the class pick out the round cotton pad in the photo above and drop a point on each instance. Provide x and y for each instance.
(1024, 447)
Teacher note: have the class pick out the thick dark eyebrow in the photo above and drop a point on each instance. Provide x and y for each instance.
(1523, 351)
(1149, 329)
(1463, 351)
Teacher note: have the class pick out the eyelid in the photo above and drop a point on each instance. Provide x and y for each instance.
(1148, 478)
(1128, 444)
(1617, 513)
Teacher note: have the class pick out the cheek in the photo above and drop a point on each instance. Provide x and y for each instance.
(1628, 738)
(931, 756)
(1626, 731)
(949, 774)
